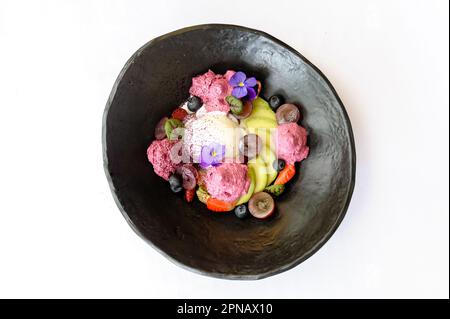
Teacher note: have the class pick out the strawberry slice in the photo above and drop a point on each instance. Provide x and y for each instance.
(202, 195)
(218, 205)
(285, 175)
(189, 195)
(179, 113)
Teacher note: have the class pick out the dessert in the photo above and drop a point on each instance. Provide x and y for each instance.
(228, 146)
(158, 153)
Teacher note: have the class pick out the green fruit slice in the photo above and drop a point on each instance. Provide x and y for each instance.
(259, 167)
(245, 198)
(260, 122)
(262, 109)
(202, 195)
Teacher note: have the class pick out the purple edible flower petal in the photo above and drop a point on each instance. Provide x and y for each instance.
(237, 79)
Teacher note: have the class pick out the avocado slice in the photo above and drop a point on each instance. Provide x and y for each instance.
(269, 157)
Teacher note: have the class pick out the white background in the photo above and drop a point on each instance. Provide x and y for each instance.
(61, 234)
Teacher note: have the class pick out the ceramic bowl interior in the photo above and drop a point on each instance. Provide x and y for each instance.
(154, 81)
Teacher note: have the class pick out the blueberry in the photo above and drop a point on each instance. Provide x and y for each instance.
(275, 101)
(279, 164)
(194, 103)
(175, 182)
(241, 211)
(176, 189)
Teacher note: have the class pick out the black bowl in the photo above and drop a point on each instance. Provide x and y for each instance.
(154, 81)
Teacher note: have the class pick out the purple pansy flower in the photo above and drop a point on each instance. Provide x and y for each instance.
(212, 155)
(243, 86)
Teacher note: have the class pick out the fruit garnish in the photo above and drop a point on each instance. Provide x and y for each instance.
(241, 211)
(261, 205)
(262, 119)
(175, 180)
(194, 103)
(175, 183)
(285, 175)
(176, 189)
(246, 110)
(233, 118)
(255, 121)
(170, 125)
(260, 169)
(236, 109)
(160, 132)
(275, 190)
(236, 105)
(189, 176)
(218, 205)
(258, 83)
(262, 109)
(275, 101)
(179, 113)
(202, 195)
(189, 117)
(189, 195)
(279, 164)
(288, 113)
(251, 188)
(250, 145)
(193, 170)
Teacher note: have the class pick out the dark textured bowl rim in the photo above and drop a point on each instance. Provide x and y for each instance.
(288, 266)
